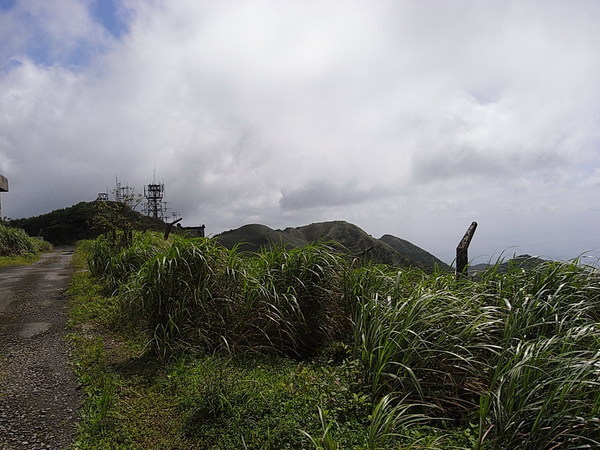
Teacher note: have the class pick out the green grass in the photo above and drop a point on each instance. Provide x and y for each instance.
(6, 261)
(16, 247)
(185, 344)
(198, 295)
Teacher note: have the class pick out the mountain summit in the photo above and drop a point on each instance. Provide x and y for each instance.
(387, 250)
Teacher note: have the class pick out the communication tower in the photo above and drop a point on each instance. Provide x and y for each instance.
(154, 194)
(123, 194)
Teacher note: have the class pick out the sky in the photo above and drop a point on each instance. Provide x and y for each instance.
(410, 118)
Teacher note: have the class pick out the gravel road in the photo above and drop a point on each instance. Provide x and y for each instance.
(39, 394)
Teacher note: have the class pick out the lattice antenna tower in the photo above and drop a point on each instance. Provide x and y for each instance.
(123, 194)
(118, 196)
(154, 194)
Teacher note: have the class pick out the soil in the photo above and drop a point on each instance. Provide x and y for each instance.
(39, 392)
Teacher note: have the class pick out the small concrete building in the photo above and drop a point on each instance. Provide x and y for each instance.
(193, 231)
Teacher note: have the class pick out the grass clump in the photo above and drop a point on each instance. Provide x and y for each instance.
(264, 402)
(306, 347)
(14, 242)
(113, 262)
(426, 342)
(198, 294)
(293, 300)
(544, 391)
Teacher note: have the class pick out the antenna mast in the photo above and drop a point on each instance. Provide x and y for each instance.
(154, 194)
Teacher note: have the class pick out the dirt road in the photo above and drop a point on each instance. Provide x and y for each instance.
(39, 396)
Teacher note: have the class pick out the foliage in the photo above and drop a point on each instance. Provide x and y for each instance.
(114, 262)
(201, 295)
(381, 358)
(86, 220)
(291, 300)
(544, 391)
(15, 242)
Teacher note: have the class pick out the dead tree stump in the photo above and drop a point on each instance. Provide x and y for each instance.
(169, 226)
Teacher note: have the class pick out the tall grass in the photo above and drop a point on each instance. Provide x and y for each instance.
(199, 294)
(181, 295)
(544, 391)
(115, 263)
(15, 242)
(291, 300)
(426, 340)
(520, 349)
(515, 351)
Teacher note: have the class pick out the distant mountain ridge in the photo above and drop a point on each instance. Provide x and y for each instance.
(87, 220)
(520, 261)
(387, 250)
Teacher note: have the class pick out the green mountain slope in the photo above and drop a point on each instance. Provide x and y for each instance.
(250, 238)
(521, 261)
(354, 239)
(415, 254)
(357, 241)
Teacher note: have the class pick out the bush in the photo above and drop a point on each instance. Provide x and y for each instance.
(15, 242)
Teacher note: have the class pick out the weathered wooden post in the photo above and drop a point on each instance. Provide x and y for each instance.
(169, 226)
(462, 258)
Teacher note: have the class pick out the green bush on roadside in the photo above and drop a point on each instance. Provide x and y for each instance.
(15, 242)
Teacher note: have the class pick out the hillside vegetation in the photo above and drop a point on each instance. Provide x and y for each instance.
(86, 220)
(199, 346)
(388, 250)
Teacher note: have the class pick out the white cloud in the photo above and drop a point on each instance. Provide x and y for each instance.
(410, 118)
(59, 32)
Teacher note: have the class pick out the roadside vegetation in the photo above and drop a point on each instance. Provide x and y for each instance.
(186, 344)
(16, 247)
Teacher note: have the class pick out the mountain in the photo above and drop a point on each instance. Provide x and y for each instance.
(521, 261)
(85, 220)
(357, 241)
(395, 251)
(414, 253)
(250, 238)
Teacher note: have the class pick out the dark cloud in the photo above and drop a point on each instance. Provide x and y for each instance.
(323, 194)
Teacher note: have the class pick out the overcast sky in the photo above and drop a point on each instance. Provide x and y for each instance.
(411, 118)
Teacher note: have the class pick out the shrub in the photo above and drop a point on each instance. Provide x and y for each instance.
(15, 242)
